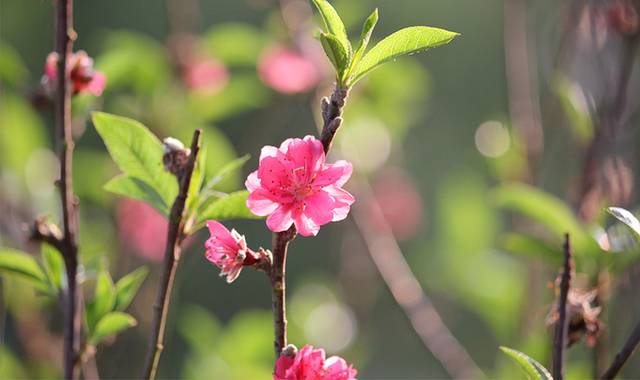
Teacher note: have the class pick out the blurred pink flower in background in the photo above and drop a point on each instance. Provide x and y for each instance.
(310, 364)
(226, 249)
(400, 203)
(205, 74)
(83, 77)
(288, 71)
(294, 185)
(142, 228)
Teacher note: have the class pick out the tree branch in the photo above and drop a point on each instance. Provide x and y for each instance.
(331, 115)
(175, 235)
(621, 358)
(560, 335)
(65, 35)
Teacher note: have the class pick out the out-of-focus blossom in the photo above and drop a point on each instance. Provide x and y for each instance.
(399, 201)
(623, 17)
(310, 364)
(206, 75)
(226, 249)
(142, 228)
(288, 71)
(83, 77)
(294, 185)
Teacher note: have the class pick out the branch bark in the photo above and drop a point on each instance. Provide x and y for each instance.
(175, 235)
(332, 119)
(625, 353)
(65, 35)
(560, 336)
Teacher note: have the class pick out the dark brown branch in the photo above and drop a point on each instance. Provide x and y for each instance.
(65, 35)
(560, 335)
(621, 358)
(331, 115)
(175, 235)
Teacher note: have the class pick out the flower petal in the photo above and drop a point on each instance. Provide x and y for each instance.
(280, 220)
(260, 203)
(319, 207)
(305, 225)
(268, 151)
(334, 174)
(97, 84)
(252, 182)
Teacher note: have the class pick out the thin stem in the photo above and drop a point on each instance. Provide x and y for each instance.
(331, 115)
(406, 289)
(175, 236)
(65, 35)
(621, 358)
(560, 336)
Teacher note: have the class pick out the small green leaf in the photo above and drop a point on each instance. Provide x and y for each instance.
(333, 23)
(405, 41)
(232, 206)
(336, 53)
(135, 188)
(547, 210)
(103, 301)
(529, 246)
(227, 169)
(365, 36)
(127, 287)
(197, 178)
(54, 268)
(24, 265)
(110, 324)
(533, 369)
(137, 152)
(627, 218)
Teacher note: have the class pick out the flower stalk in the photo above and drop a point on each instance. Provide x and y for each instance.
(175, 236)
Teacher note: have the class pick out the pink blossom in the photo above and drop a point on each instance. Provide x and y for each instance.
(83, 77)
(294, 185)
(310, 364)
(206, 75)
(142, 228)
(288, 71)
(227, 250)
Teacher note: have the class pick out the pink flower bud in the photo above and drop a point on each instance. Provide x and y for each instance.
(288, 71)
(205, 75)
(83, 77)
(310, 364)
(226, 249)
(294, 185)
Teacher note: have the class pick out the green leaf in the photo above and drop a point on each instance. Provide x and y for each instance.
(127, 287)
(365, 36)
(135, 188)
(333, 23)
(103, 301)
(137, 152)
(24, 265)
(197, 178)
(627, 218)
(529, 246)
(405, 41)
(13, 71)
(335, 51)
(533, 369)
(548, 211)
(222, 40)
(231, 206)
(227, 169)
(54, 268)
(110, 324)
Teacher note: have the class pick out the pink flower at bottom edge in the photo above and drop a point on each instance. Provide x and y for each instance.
(310, 364)
(226, 249)
(294, 185)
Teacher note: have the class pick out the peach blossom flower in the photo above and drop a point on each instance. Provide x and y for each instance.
(226, 249)
(310, 364)
(206, 75)
(288, 71)
(84, 78)
(294, 185)
(142, 228)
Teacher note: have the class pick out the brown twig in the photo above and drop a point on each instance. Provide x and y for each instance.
(407, 291)
(175, 235)
(331, 115)
(621, 358)
(65, 35)
(560, 335)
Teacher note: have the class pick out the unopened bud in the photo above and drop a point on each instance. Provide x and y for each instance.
(289, 351)
(175, 156)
